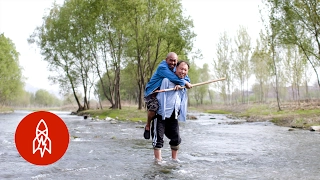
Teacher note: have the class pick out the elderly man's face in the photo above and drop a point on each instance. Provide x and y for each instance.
(172, 61)
(182, 70)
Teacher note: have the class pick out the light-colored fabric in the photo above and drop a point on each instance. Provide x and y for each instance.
(154, 137)
(172, 100)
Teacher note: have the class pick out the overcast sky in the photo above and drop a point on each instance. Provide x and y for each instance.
(19, 18)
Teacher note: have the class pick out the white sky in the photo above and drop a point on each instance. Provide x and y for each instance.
(19, 18)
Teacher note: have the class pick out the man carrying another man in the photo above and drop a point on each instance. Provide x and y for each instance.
(165, 69)
(172, 107)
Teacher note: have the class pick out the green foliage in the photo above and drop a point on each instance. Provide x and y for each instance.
(241, 65)
(296, 25)
(11, 84)
(198, 75)
(25, 99)
(45, 99)
(222, 66)
(83, 41)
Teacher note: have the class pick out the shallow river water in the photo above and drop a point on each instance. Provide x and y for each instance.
(213, 147)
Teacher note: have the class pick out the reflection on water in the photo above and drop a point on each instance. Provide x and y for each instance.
(213, 147)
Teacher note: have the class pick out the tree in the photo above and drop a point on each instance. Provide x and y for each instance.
(154, 29)
(11, 83)
(194, 73)
(82, 38)
(45, 99)
(260, 61)
(204, 76)
(294, 68)
(299, 25)
(26, 99)
(222, 67)
(273, 27)
(58, 41)
(107, 48)
(241, 64)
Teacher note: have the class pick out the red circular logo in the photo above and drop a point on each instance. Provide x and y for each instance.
(42, 138)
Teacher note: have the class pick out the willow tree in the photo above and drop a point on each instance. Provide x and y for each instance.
(45, 99)
(222, 67)
(80, 42)
(241, 63)
(153, 29)
(195, 73)
(62, 46)
(294, 70)
(11, 84)
(204, 75)
(299, 25)
(85, 38)
(260, 61)
(106, 42)
(272, 30)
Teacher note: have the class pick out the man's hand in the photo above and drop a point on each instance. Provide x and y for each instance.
(177, 87)
(188, 85)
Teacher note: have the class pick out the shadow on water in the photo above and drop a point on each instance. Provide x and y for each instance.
(213, 147)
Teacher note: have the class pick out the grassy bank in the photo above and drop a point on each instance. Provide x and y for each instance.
(5, 109)
(126, 113)
(302, 116)
(298, 117)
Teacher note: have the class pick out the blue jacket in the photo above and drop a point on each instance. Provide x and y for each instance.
(163, 71)
(170, 101)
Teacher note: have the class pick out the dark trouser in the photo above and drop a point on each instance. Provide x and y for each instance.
(168, 127)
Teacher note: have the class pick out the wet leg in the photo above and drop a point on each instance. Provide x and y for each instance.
(174, 154)
(157, 154)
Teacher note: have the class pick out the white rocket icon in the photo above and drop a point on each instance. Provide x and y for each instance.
(42, 141)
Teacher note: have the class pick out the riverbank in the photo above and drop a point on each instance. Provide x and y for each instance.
(6, 109)
(302, 116)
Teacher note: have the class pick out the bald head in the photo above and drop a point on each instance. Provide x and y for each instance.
(172, 59)
(172, 54)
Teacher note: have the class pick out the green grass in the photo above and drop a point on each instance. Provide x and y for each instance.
(5, 109)
(217, 111)
(300, 118)
(308, 111)
(257, 110)
(126, 113)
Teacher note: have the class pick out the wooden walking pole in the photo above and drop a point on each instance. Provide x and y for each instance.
(193, 85)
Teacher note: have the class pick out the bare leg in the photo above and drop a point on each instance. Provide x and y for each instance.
(157, 154)
(151, 114)
(174, 154)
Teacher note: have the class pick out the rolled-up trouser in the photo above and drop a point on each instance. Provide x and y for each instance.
(168, 127)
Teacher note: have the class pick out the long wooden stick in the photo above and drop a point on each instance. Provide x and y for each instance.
(193, 85)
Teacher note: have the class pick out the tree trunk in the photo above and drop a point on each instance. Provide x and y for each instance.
(276, 74)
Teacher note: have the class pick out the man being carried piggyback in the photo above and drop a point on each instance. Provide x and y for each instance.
(166, 69)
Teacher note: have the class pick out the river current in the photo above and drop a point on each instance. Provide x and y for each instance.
(213, 147)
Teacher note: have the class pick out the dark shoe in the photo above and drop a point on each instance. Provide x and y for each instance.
(146, 133)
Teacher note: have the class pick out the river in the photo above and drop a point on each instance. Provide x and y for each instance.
(213, 147)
